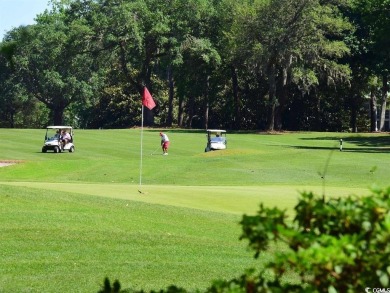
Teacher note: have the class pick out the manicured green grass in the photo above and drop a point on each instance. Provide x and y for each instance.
(113, 156)
(69, 220)
(56, 241)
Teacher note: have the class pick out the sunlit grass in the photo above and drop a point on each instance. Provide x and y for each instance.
(54, 238)
(69, 220)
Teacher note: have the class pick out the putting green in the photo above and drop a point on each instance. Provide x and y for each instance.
(224, 199)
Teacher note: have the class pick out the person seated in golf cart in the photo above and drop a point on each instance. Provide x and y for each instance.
(56, 136)
(217, 138)
(65, 138)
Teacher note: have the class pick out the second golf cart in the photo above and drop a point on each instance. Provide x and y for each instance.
(58, 139)
(216, 140)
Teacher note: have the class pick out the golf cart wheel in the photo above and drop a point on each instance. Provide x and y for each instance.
(71, 150)
(56, 149)
(44, 150)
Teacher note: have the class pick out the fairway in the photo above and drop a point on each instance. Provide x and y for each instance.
(71, 219)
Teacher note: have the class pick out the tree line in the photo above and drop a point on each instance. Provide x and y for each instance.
(238, 64)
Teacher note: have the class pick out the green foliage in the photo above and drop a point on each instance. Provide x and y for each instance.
(335, 245)
(302, 39)
(236, 64)
(46, 67)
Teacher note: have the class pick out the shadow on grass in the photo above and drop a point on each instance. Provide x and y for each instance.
(356, 150)
(229, 131)
(361, 144)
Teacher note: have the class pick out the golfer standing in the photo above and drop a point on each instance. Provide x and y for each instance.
(164, 143)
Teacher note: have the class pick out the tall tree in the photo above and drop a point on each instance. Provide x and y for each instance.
(287, 37)
(48, 67)
(379, 18)
(374, 19)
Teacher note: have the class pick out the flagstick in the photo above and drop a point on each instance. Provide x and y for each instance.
(147, 101)
(142, 136)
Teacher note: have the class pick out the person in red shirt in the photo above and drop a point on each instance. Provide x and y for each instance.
(164, 143)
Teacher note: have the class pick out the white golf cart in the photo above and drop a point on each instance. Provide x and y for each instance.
(54, 142)
(216, 140)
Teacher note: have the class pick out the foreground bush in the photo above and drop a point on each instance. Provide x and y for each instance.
(333, 245)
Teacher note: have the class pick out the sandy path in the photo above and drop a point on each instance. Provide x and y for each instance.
(7, 163)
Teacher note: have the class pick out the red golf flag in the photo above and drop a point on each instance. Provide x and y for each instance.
(147, 99)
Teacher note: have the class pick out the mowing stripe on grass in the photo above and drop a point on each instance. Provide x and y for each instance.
(225, 199)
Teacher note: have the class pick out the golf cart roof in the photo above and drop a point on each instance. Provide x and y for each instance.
(59, 127)
(215, 130)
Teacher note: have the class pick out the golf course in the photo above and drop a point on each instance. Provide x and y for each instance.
(118, 208)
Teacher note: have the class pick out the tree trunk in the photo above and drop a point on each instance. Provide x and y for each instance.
(190, 111)
(58, 116)
(148, 117)
(318, 121)
(282, 95)
(170, 98)
(206, 115)
(236, 103)
(384, 102)
(373, 111)
(272, 98)
(180, 118)
(12, 119)
(207, 104)
(354, 114)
